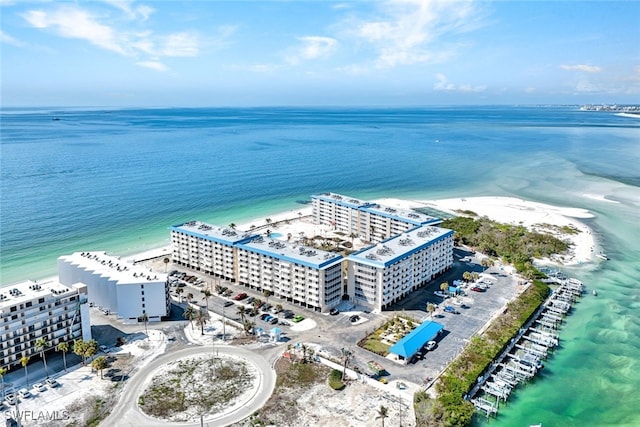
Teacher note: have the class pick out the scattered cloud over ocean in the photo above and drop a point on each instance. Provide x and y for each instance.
(102, 30)
(582, 67)
(410, 31)
(443, 84)
(6, 38)
(310, 48)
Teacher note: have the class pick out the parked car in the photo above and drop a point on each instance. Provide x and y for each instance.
(263, 316)
(440, 294)
(354, 318)
(266, 307)
(477, 289)
(24, 393)
(10, 398)
(430, 345)
(269, 317)
(451, 309)
(249, 300)
(276, 310)
(288, 314)
(334, 311)
(298, 318)
(273, 320)
(285, 323)
(104, 349)
(228, 303)
(222, 290)
(51, 383)
(240, 296)
(39, 387)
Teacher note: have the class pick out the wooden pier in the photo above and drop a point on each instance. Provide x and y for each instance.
(522, 358)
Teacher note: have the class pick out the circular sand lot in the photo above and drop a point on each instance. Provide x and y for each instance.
(194, 364)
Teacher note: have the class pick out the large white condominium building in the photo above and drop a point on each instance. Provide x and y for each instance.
(207, 248)
(385, 273)
(299, 274)
(31, 311)
(368, 220)
(124, 289)
(309, 277)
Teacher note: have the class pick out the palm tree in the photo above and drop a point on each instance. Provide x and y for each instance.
(383, 413)
(289, 237)
(189, 313)
(352, 236)
(166, 263)
(268, 221)
(41, 345)
(467, 276)
(207, 294)
(444, 286)
(232, 226)
(346, 356)
(486, 263)
(267, 293)
(242, 311)
(63, 347)
(431, 308)
(3, 371)
(201, 319)
(24, 361)
(179, 291)
(145, 319)
(78, 348)
(100, 363)
(189, 297)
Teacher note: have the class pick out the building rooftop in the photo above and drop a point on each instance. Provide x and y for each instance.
(351, 202)
(215, 233)
(395, 248)
(120, 271)
(405, 215)
(414, 340)
(292, 252)
(29, 290)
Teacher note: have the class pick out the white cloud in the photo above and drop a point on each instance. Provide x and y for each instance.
(582, 67)
(312, 47)
(409, 30)
(76, 23)
(443, 84)
(153, 65)
(141, 12)
(6, 38)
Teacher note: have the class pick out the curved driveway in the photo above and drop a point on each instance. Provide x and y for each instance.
(126, 412)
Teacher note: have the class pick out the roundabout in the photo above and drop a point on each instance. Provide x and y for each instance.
(128, 411)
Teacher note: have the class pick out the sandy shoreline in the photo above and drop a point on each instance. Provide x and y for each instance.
(292, 224)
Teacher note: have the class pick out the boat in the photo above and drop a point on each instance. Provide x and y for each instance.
(603, 256)
(595, 293)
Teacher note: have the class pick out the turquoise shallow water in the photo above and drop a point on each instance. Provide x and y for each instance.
(116, 180)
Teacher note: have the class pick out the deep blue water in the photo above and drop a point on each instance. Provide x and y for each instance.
(115, 180)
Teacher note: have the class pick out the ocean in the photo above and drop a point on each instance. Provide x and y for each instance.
(116, 179)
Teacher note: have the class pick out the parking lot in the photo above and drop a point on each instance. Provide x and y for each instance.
(332, 333)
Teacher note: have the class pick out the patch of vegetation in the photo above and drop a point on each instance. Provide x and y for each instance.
(513, 243)
(450, 409)
(391, 331)
(204, 385)
(91, 410)
(294, 379)
(422, 407)
(335, 380)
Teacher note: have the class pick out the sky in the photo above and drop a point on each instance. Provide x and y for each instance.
(125, 53)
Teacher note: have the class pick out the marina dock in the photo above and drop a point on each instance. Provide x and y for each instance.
(523, 357)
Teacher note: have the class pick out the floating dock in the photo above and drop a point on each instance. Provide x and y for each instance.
(522, 359)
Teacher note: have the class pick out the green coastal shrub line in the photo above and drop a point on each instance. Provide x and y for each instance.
(450, 408)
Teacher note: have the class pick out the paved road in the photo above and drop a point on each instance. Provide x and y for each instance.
(126, 412)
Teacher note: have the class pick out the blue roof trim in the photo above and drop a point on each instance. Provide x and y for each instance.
(411, 343)
(277, 255)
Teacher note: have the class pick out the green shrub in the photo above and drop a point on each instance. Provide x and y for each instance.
(335, 380)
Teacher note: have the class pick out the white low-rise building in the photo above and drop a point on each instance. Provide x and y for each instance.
(118, 286)
(31, 311)
(390, 270)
